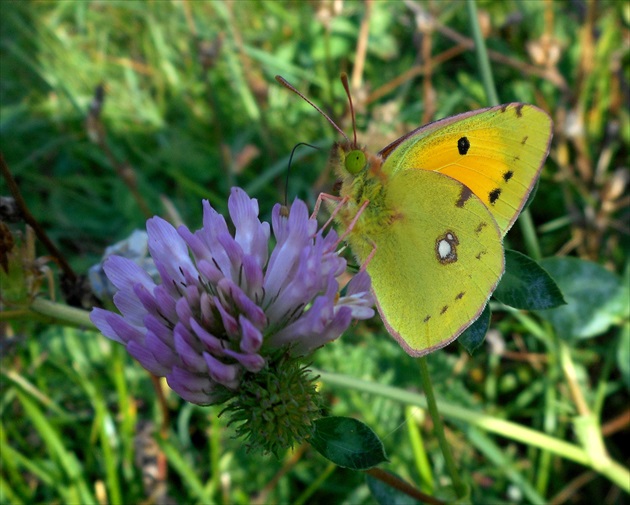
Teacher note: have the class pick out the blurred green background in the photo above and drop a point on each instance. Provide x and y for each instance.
(190, 109)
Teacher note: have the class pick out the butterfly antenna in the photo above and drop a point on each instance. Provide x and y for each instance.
(286, 84)
(344, 81)
(286, 185)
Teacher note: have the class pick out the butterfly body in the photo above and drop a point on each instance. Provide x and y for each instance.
(427, 215)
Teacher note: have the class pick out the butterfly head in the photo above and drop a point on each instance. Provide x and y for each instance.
(353, 163)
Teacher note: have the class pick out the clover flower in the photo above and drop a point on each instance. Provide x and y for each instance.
(226, 308)
(135, 247)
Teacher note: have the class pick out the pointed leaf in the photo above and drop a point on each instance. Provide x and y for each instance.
(475, 334)
(526, 285)
(348, 443)
(531, 196)
(596, 298)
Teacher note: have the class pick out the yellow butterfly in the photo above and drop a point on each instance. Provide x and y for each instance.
(427, 215)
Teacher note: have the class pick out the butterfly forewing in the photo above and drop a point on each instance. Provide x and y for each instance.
(496, 152)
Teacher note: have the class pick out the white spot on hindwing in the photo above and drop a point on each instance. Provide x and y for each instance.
(446, 247)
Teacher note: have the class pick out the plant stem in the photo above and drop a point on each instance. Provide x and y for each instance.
(420, 453)
(427, 387)
(482, 54)
(62, 313)
(30, 220)
(397, 483)
(529, 234)
(316, 484)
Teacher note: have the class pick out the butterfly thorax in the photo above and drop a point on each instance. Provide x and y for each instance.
(369, 184)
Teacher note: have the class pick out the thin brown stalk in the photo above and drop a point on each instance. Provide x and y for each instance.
(29, 219)
(362, 45)
(572, 488)
(399, 484)
(428, 92)
(96, 131)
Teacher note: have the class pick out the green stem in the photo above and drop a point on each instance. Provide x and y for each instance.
(529, 234)
(126, 409)
(553, 376)
(549, 425)
(482, 54)
(586, 424)
(420, 454)
(62, 313)
(215, 453)
(316, 484)
(612, 470)
(427, 387)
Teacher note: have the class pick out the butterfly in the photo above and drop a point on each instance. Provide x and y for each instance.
(426, 215)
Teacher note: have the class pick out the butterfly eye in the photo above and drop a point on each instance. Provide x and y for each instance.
(355, 161)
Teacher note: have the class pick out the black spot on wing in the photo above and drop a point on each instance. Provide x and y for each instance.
(480, 227)
(463, 196)
(519, 110)
(460, 295)
(494, 195)
(508, 175)
(524, 140)
(426, 319)
(444, 309)
(463, 145)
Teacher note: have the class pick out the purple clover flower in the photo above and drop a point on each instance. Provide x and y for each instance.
(225, 305)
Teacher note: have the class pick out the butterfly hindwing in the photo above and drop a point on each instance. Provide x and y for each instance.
(432, 272)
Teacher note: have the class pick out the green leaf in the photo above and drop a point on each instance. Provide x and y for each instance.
(532, 195)
(596, 298)
(475, 334)
(384, 494)
(526, 285)
(348, 443)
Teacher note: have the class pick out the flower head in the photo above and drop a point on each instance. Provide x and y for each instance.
(134, 247)
(226, 307)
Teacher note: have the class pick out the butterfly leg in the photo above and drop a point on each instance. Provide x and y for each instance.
(325, 196)
(352, 223)
(340, 203)
(369, 257)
